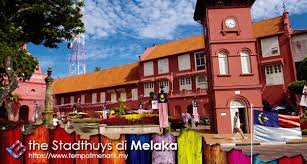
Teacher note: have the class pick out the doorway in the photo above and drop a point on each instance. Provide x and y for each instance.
(24, 113)
(190, 109)
(240, 107)
(3, 114)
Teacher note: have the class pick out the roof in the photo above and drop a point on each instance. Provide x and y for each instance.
(128, 74)
(175, 47)
(201, 6)
(268, 27)
(115, 76)
(298, 32)
(261, 29)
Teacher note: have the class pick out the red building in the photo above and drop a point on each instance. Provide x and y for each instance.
(31, 96)
(237, 65)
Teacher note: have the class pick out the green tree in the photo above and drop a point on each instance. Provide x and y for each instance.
(297, 86)
(97, 69)
(302, 70)
(121, 108)
(47, 22)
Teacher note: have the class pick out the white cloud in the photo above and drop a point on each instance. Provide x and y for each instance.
(266, 9)
(160, 19)
(137, 19)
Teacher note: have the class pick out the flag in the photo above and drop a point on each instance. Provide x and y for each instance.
(163, 115)
(304, 97)
(273, 127)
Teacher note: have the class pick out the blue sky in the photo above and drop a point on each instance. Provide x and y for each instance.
(117, 32)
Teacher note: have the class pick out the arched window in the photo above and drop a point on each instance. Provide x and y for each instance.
(223, 63)
(245, 62)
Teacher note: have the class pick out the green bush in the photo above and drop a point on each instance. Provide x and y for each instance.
(302, 70)
(121, 109)
(297, 86)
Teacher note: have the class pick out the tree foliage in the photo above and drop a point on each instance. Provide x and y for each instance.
(298, 86)
(121, 108)
(47, 22)
(96, 69)
(302, 70)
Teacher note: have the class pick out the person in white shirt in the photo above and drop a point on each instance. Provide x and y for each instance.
(237, 126)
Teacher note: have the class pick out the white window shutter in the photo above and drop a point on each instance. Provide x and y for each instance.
(185, 83)
(94, 98)
(148, 87)
(148, 68)
(163, 66)
(134, 94)
(184, 62)
(72, 99)
(223, 63)
(274, 74)
(165, 84)
(245, 62)
(62, 100)
(270, 46)
(82, 99)
(113, 97)
(102, 97)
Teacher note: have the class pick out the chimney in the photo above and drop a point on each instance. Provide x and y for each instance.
(287, 23)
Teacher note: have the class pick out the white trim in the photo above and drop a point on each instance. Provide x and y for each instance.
(184, 62)
(163, 66)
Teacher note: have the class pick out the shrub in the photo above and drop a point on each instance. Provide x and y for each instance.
(302, 70)
(297, 86)
(121, 109)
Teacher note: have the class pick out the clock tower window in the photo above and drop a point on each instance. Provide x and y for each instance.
(223, 63)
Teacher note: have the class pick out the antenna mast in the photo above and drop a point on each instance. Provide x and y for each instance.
(77, 57)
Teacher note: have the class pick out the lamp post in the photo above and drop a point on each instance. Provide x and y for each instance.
(48, 111)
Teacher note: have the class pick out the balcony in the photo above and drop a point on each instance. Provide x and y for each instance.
(188, 93)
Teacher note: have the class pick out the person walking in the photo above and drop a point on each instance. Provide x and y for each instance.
(237, 127)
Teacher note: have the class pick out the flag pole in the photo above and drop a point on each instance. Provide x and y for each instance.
(252, 128)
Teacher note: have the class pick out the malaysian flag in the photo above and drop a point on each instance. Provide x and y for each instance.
(273, 127)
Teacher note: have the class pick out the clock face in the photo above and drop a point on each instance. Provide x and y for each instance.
(230, 23)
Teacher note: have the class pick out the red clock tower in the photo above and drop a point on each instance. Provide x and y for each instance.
(233, 73)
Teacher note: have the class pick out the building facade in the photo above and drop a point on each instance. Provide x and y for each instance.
(30, 102)
(234, 66)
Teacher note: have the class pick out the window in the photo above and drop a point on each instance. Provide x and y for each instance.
(82, 99)
(102, 97)
(62, 100)
(185, 83)
(163, 66)
(274, 74)
(148, 68)
(223, 63)
(270, 46)
(134, 94)
(123, 96)
(72, 99)
(94, 98)
(113, 97)
(184, 62)
(201, 82)
(245, 62)
(200, 63)
(148, 87)
(165, 84)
